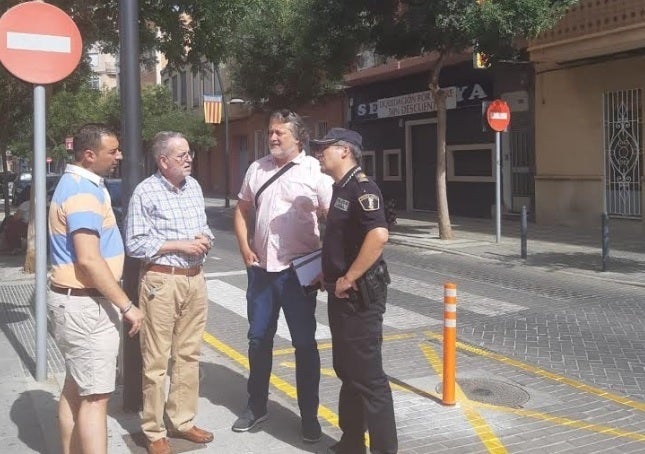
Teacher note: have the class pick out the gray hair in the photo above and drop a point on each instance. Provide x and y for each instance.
(161, 142)
(356, 151)
(298, 127)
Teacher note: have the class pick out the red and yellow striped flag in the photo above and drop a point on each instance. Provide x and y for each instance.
(213, 109)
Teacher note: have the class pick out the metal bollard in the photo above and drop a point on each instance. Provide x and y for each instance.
(449, 342)
(605, 240)
(523, 232)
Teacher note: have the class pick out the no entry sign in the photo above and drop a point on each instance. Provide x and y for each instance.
(39, 43)
(498, 115)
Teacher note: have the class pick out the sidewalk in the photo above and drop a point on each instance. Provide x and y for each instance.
(552, 248)
(29, 421)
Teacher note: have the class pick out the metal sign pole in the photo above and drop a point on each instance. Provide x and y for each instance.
(40, 221)
(498, 192)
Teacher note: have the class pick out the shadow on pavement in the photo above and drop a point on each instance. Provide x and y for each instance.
(220, 218)
(225, 387)
(23, 415)
(584, 261)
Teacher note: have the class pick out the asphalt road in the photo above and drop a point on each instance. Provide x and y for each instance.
(565, 347)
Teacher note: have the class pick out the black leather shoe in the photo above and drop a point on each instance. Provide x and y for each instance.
(340, 448)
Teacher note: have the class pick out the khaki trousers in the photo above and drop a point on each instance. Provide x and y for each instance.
(175, 309)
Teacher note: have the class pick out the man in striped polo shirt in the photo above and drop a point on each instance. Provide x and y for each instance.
(85, 300)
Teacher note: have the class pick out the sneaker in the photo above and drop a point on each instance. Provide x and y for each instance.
(247, 421)
(311, 432)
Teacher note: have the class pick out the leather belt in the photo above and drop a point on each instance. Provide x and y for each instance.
(166, 269)
(75, 291)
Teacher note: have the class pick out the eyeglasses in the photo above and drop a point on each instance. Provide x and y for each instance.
(183, 156)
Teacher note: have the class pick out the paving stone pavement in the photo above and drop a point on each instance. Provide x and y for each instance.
(567, 411)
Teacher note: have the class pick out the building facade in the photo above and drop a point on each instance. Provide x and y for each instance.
(589, 114)
(247, 127)
(391, 106)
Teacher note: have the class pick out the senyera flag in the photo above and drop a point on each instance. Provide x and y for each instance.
(213, 108)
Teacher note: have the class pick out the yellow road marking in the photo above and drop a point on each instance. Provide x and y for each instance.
(544, 373)
(485, 433)
(331, 373)
(276, 381)
(604, 430)
(327, 345)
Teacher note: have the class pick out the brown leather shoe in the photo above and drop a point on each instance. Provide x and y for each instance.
(194, 434)
(160, 446)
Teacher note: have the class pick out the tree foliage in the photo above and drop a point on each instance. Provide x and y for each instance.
(69, 110)
(293, 51)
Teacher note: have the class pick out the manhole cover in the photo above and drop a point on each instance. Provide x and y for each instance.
(491, 391)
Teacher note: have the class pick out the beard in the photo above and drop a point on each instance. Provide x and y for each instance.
(282, 154)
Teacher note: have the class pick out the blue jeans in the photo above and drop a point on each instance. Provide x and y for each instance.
(266, 293)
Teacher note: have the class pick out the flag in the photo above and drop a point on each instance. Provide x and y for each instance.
(213, 109)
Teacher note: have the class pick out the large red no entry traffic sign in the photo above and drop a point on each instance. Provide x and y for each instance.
(498, 115)
(39, 43)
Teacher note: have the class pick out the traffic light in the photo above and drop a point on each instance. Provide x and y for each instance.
(480, 60)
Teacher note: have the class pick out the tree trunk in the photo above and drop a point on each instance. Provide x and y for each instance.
(439, 95)
(443, 214)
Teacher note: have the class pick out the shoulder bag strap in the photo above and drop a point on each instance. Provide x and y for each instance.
(279, 173)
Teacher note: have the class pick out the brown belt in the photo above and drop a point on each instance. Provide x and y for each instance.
(75, 291)
(192, 271)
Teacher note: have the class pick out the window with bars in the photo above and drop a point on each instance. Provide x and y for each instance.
(321, 129)
(259, 143)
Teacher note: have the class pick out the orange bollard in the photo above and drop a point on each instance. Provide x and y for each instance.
(449, 342)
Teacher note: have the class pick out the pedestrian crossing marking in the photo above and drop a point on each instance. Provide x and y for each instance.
(234, 299)
(465, 300)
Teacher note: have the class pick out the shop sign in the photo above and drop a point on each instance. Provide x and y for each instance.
(413, 103)
(419, 102)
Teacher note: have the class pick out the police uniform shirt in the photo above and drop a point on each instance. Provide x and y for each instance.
(356, 208)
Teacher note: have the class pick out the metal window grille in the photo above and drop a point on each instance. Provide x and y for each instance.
(623, 149)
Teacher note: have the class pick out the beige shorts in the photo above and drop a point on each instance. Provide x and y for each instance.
(86, 330)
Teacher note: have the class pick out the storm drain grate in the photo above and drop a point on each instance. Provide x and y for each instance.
(494, 392)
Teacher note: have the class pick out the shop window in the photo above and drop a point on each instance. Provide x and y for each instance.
(471, 163)
(368, 164)
(392, 165)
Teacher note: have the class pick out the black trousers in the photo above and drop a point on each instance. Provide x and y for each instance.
(365, 396)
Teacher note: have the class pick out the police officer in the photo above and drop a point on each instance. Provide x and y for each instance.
(356, 278)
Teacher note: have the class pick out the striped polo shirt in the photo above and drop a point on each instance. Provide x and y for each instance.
(81, 201)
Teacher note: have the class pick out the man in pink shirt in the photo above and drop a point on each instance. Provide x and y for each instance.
(286, 208)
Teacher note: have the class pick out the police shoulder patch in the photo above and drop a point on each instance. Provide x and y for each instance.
(361, 177)
(369, 202)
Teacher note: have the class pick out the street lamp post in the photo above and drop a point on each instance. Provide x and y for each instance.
(227, 201)
(225, 107)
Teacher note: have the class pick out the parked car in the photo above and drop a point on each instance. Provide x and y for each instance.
(20, 186)
(113, 186)
(6, 177)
